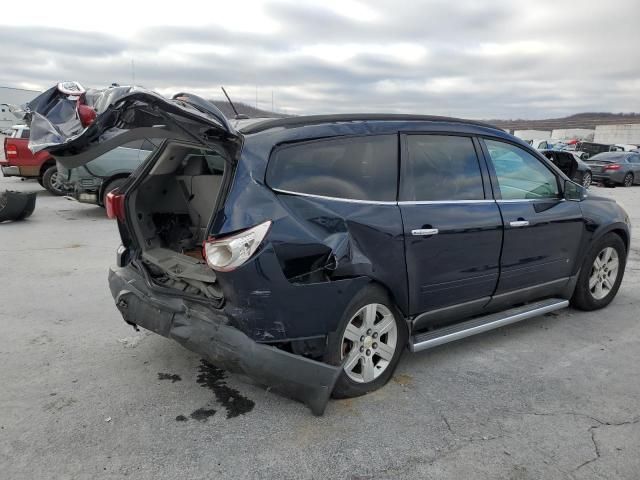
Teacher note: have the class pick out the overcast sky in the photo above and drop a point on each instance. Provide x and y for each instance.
(477, 59)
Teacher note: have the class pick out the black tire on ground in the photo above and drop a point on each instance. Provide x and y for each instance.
(346, 387)
(586, 179)
(583, 298)
(627, 181)
(16, 205)
(109, 187)
(49, 181)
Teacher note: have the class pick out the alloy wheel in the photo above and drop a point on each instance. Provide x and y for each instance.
(628, 180)
(369, 343)
(604, 273)
(586, 180)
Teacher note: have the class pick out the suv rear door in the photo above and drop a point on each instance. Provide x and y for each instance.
(452, 226)
(542, 231)
(61, 121)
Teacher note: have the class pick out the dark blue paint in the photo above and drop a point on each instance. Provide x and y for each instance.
(461, 262)
(319, 252)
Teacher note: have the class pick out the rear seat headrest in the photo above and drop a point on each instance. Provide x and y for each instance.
(195, 165)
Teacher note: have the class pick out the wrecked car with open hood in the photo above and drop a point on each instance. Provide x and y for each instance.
(308, 252)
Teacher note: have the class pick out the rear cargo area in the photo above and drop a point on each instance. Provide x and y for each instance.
(170, 210)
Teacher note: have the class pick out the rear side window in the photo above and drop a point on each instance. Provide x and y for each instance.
(441, 167)
(357, 168)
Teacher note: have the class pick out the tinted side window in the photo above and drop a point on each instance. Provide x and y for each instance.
(634, 158)
(520, 174)
(25, 133)
(359, 168)
(441, 167)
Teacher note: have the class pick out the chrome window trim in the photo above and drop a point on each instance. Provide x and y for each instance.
(442, 202)
(530, 200)
(416, 202)
(335, 199)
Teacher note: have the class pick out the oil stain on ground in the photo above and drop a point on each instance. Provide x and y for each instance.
(169, 376)
(403, 379)
(213, 378)
(201, 414)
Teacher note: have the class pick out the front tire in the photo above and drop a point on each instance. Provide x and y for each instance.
(49, 181)
(601, 274)
(369, 342)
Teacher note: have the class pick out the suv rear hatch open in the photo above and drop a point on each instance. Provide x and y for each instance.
(172, 196)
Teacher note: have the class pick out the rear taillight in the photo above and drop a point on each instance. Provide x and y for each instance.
(10, 151)
(86, 114)
(614, 166)
(228, 253)
(115, 205)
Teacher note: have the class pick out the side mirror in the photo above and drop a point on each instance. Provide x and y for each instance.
(574, 192)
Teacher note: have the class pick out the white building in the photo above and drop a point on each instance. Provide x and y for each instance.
(532, 134)
(13, 96)
(621, 134)
(573, 133)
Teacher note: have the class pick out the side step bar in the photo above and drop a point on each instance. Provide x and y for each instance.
(424, 341)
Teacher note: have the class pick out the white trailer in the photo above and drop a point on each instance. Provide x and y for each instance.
(528, 135)
(13, 96)
(623, 134)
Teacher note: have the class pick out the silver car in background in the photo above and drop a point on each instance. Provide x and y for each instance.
(91, 182)
(615, 168)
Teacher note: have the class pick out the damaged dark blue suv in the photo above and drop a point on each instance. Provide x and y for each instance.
(309, 252)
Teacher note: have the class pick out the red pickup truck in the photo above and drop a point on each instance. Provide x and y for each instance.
(20, 162)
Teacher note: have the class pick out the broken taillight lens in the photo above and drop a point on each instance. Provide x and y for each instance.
(228, 253)
(114, 205)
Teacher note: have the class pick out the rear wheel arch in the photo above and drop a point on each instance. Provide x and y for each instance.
(383, 291)
(371, 293)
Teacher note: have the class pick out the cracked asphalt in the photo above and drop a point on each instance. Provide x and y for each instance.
(83, 396)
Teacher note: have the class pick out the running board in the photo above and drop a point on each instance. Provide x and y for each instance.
(424, 341)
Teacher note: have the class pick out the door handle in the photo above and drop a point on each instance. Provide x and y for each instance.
(519, 223)
(421, 232)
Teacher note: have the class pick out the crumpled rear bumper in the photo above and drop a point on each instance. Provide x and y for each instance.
(206, 331)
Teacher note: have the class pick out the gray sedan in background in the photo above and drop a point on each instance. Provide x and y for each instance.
(615, 168)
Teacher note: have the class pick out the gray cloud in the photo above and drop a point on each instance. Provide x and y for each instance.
(505, 60)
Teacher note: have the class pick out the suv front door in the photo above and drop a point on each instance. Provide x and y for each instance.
(452, 229)
(542, 230)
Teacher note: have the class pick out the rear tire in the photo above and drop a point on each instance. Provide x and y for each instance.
(369, 341)
(111, 185)
(628, 180)
(601, 274)
(49, 181)
(586, 180)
